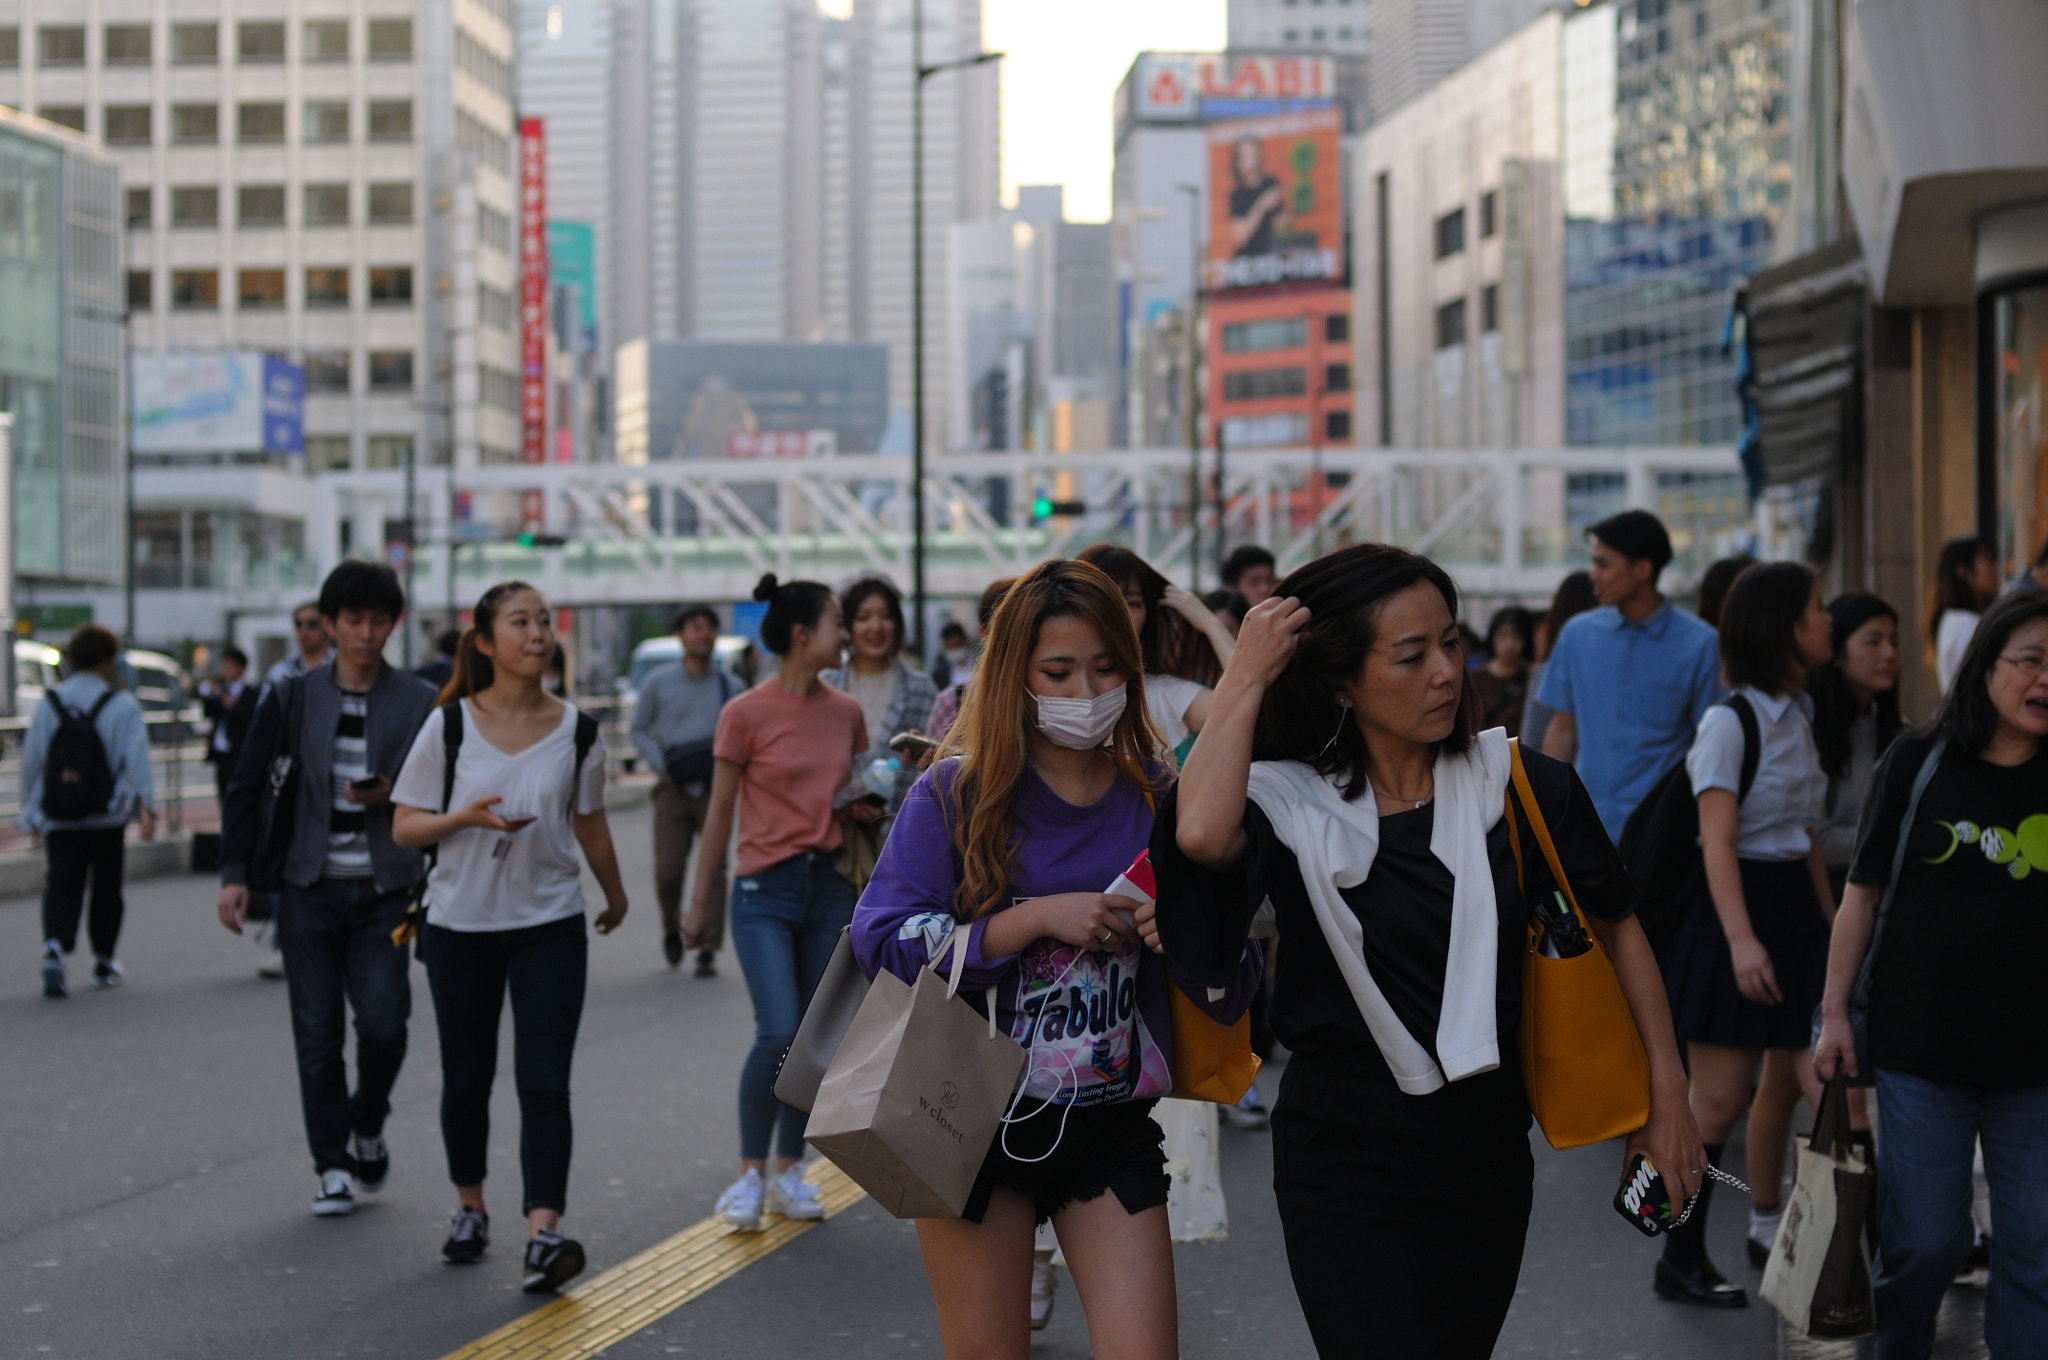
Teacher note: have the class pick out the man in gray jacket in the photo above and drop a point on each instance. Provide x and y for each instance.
(346, 884)
(675, 716)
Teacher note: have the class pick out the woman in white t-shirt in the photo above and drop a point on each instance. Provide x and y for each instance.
(1184, 644)
(505, 908)
(1965, 583)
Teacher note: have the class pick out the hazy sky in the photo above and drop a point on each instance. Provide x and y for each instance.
(1059, 81)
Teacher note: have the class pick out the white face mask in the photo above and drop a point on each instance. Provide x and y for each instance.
(1080, 724)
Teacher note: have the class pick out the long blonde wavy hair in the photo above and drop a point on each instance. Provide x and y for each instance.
(992, 736)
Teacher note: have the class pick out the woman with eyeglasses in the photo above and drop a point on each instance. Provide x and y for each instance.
(1957, 1041)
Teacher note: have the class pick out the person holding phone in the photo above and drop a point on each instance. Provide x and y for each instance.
(782, 757)
(505, 910)
(346, 879)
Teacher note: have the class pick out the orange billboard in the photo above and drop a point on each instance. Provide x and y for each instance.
(1276, 200)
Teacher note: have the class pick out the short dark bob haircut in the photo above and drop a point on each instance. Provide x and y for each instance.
(1344, 593)
(1969, 719)
(1762, 609)
(868, 588)
(791, 605)
(1520, 622)
(370, 587)
(696, 610)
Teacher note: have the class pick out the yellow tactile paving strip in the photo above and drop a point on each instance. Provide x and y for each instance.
(610, 1307)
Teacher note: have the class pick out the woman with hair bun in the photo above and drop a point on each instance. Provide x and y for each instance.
(783, 752)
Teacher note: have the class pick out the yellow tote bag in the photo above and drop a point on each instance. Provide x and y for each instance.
(1583, 1064)
(1211, 1060)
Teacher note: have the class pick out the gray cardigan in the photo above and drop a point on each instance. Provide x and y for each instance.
(398, 703)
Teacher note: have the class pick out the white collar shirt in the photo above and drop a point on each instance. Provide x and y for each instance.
(1788, 801)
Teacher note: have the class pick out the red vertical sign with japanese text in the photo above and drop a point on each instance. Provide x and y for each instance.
(533, 312)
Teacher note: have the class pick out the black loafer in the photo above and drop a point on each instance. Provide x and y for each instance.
(672, 948)
(1701, 1284)
(1759, 1254)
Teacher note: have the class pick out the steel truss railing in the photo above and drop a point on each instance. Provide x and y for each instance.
(1507, 523)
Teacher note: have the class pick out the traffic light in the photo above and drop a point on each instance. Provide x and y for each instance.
(1045, 507)
(529, 539)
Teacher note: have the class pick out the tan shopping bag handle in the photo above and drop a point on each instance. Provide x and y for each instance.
(956, 944)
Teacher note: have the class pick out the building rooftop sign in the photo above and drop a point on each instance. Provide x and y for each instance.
(1199, 87)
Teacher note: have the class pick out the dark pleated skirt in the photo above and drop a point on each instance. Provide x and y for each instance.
(1707, 1008)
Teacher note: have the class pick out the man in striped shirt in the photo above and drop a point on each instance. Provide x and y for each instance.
(346, 883)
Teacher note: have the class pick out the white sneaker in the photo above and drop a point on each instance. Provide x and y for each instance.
(740, 1205)
(1248, 1113)
(790, 1195)
(337, 1195)
(1043, 1281)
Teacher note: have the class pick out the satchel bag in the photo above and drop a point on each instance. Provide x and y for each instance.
(1583, 1064)
(916, 1093)
(278, 800)
(860, 849)
(1819, 1272)
(841, 990)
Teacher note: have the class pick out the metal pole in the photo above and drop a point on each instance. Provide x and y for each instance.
(917, 73)
(128, 473)
(412, 538)
(1194, 194)
(1220, 536)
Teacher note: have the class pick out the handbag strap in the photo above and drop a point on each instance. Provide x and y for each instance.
(956, 944)
(1524, 794)
(1859, 996)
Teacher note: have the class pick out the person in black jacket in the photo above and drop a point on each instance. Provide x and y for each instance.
(230, 702)
(346, 883)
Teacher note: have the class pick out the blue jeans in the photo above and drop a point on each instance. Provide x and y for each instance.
(336, 940)
(784, 922)
(1927, 1133)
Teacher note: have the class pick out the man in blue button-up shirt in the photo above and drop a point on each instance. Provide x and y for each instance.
(1631, 680)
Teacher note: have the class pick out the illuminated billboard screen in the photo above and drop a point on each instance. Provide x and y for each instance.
(1276, 200)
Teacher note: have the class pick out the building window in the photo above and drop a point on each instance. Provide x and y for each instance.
(195, 289)
(391, 202)
(138, 290)
(1450, 324)
(195, 44)
(1263, 384)
(63, 46)
(1489, 308)
(327, 40)
(127, 124)
(327, 370)
(1254, 337)
(126, 44)
(259, 122)
(259, 205)
(260, 289)
(1336, 425)
(1336, 377)
(10, 47)
(1450, 233)
(493, 307)
(389, 286)
(139, 206)
(259, 43)
(390, 40)
(493, 229)
(1337, 328)
(327, 287)
(195, 205)
(390, 370)
(327, 452)
(390, 120)
(326, 120)
(64, 115)
(390, 450)
(195, 124)
(1489, 205)
(326, 205)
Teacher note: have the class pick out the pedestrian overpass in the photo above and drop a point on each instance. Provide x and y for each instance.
(1506, 523)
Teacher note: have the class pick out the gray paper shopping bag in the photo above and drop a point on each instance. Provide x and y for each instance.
(826, 1020)
(916, 1092)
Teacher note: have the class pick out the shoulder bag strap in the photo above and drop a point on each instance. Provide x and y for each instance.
(1859, 998)
(93, 714)
(1526, 796)
(1752, 742)
(586, 737)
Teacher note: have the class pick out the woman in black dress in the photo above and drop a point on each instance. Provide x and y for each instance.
(1340, 776)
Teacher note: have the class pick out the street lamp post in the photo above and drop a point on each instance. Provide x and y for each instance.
(1194, 193)
(922, 73)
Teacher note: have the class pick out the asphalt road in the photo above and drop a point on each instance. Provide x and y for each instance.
(154, 1186)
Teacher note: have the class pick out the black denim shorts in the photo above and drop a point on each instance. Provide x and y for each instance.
(1113, 1147)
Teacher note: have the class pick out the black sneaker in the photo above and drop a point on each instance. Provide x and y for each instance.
(469, 1233)
(672, 948)
(707, 963)
(106, 972)
(373, 1164)
(552, 1260)
(337, 1197)
(54, 986)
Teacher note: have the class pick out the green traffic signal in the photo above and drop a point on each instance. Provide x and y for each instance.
(1042, 507)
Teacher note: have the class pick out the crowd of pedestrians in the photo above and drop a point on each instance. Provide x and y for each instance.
(1790, 879)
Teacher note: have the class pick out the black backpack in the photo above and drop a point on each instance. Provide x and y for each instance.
(77, 780)
(1660, 842)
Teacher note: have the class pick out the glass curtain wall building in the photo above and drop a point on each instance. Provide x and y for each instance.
(1678, 178)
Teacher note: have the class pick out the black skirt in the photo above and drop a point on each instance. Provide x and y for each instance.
(1404, 1215)
(1706, 1006)
(1057, 1155)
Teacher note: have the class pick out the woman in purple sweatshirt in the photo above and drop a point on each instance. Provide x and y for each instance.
(1045, 796)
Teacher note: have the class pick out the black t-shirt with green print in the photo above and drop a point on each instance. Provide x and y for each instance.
(1960, 990)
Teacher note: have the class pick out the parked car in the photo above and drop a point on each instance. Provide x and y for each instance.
(159, 685)
(37, 667)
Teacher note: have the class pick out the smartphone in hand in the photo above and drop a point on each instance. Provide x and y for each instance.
(366, 783)
(912, 744)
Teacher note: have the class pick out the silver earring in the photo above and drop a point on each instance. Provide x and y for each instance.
(1343, 716)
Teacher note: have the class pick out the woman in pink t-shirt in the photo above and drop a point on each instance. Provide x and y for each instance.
(783, 750)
